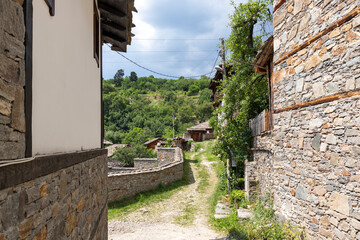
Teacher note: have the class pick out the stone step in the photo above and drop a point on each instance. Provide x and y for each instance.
(244, 213)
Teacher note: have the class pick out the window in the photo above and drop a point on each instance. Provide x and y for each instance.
(96, 33)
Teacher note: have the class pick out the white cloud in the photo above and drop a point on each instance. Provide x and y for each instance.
(169, 19)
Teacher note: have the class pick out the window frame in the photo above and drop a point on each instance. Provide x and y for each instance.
(96, 33)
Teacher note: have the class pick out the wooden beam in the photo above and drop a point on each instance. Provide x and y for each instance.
(279, 5)
(114, 37)
(320, 101)
(111, 10)
(113, 25)
(51, 5)
(28, 10)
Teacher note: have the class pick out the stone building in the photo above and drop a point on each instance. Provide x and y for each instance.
(53, 168)
(201, 132)
(309, 158)
(151, 144)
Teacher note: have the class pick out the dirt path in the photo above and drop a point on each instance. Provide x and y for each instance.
(183, 216)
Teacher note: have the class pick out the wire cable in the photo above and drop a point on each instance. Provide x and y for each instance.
(161, 74)
(214, 65)
(175, 39)
(168, 51)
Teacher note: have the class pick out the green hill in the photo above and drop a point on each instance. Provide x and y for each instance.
(139, 109)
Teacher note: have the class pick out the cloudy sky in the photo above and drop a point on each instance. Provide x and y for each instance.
(178, 38)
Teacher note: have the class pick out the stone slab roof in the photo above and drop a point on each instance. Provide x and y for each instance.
(153, 140)
(200, 127)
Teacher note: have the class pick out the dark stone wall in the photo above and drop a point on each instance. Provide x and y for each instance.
(12, 80)
(68, 204)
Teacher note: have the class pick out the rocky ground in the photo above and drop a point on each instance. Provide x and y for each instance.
(183, 216)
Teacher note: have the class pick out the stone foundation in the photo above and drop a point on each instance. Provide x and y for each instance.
(69, 203)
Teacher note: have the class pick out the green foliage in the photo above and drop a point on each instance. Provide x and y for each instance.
(241, 183)
(205, 96)
(141, 108)
(245, 93)
(264, 225)
(193, 90)
(118, 78)
(237, 195)
(133, 77)
(126, 155)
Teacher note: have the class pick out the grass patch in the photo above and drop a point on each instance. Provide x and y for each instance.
(187, 217)
(125, 206)
(264, 225)
(204, 179)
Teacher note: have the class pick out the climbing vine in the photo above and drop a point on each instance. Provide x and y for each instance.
(244, 93)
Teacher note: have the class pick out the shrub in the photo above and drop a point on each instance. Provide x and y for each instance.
(126, 155)
(193, 90)
(237, 196)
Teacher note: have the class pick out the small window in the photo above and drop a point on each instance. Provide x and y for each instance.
(96, 33)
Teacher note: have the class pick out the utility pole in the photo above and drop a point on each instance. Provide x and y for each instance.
(224, 77)
(223, 57)
(173, 125)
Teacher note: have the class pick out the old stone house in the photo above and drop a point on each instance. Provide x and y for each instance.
(151, 144)
(308, 156)
(201, 132)
(53, 167)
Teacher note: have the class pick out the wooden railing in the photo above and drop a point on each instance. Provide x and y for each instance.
(261, 123)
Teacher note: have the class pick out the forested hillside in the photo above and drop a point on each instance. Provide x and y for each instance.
(137, 109)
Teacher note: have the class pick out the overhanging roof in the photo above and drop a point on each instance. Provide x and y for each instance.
(264, 55)
(116, 22)
(201, 127)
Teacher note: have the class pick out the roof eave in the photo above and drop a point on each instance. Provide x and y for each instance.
(116, 22)
(265, 55)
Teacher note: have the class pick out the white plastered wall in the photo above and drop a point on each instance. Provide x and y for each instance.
(66, 79)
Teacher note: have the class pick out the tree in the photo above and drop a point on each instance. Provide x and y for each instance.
(245, 92)
(193, 90)
(119, 77)
(205, 96)
(133, 77)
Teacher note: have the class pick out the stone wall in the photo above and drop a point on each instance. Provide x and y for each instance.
(122, 184)
(166, 155)
(326, 67)
(12, 80)
(260, 169)
(145, 163)
(316, 177)
(313, 171)
(70, 203)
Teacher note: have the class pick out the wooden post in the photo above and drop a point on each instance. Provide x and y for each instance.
(224, 77)
(228, 174)
(173, 125)
(246, 180)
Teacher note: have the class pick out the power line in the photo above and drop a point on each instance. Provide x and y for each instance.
(217, 57)
(161, 74)
(175, 39)
(205, 60)
(167, 51)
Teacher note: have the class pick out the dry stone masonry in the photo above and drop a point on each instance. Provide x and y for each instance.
(310, 161)
(66, 204)
(129, 182)
(12, 80)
